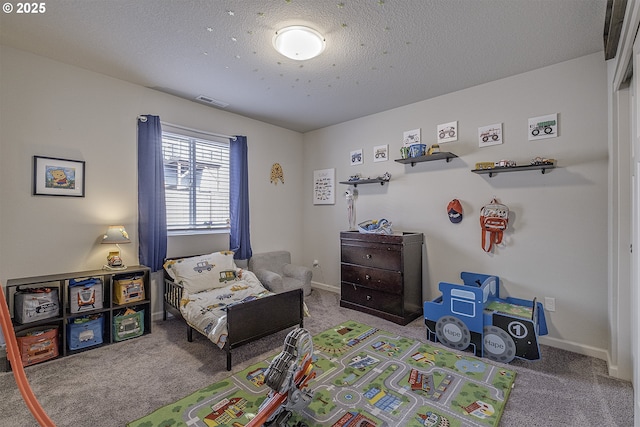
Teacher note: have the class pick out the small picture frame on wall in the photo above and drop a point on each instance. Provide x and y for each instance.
(543, 127)
(324, 192)
(447, 132)
(490, 135)
(356, 157)
(381, 153)
(411, 137)
(58, 177)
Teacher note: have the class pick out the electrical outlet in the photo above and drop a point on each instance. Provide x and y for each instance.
(550, 303)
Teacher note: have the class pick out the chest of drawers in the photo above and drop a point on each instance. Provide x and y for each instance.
(382, 274)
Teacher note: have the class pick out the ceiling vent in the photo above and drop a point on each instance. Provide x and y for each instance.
(212, 101)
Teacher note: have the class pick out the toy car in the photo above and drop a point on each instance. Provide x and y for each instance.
(505, 164)
(543, 161)
(485, 165)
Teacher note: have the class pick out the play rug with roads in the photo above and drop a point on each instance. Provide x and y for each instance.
(364, 376)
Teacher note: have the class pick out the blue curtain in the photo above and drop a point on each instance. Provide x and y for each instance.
(239, 241)
(152, 212)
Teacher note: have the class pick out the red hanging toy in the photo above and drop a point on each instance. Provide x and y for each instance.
(494, 219)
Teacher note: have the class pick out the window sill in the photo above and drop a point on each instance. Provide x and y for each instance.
(198, 232)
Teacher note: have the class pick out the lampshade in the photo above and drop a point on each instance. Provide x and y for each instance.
(298, 42)
(116, 234)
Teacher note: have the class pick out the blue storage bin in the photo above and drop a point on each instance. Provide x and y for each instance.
(84, 332)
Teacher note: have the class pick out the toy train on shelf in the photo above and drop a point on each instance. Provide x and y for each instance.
(473, 315)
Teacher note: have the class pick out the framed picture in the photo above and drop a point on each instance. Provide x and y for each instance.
(58, 177)
(324, 187)
(490, 135)
(381, 153)
(447, 132)
(411, 137)
(356, 157)
(543, 127)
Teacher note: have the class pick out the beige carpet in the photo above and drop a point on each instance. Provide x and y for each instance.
(115, 384)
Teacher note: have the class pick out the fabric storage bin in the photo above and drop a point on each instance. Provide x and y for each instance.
(128, 289)
(128, 325)
(38, 344)
(36, 304)
(84, 332)
(85, 294)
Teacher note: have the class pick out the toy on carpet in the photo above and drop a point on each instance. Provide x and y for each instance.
(473, 315)
(287, 376)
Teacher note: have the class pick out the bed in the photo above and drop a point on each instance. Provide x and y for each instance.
(226, 304)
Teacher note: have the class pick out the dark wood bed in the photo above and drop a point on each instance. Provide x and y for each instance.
(248, 321)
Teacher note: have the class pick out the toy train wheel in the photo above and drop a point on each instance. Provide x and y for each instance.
(453, 333)
(498, 345)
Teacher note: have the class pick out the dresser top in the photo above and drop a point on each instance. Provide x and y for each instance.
(396, 237)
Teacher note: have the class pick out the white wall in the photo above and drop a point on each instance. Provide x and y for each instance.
(51, 109)
(556, 244)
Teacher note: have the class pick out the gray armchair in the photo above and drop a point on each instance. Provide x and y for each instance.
(276, 273)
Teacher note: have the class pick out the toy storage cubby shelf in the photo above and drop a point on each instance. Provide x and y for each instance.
(493, 171)
(109, 309)
(443, 155)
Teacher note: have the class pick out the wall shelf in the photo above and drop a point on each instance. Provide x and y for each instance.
(493, 171)
(355, 183)
(443, 155)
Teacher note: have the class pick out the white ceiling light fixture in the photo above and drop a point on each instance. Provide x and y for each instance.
(298, 42)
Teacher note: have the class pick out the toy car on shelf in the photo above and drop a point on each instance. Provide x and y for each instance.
(473, 315)
(542, 161)
(485, 165)
(505, 164)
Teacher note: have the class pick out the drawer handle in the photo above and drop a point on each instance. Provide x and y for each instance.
(368, 297)
(366, 276)
(368, 256)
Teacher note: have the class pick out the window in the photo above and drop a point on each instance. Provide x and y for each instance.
(196, 182)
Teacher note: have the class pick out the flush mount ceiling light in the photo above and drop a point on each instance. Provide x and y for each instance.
(298, 42)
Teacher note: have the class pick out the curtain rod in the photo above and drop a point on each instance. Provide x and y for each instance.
(219, 135)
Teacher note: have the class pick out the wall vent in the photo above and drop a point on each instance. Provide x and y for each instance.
(212, 101)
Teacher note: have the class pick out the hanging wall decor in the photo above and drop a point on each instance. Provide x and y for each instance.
(356, 157)
(543, 127)
(411, 137)
(58, 177)
(490, 135)
(277, 174)
(447, 132)
(381, 153)
(324, 187)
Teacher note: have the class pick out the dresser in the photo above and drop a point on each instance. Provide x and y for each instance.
(382, 274)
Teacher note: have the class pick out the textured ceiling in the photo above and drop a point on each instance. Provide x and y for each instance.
(380, 54)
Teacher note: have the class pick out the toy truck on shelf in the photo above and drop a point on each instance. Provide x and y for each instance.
(473, 315)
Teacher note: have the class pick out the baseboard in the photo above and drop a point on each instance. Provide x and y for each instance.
(586, 350)
(325, 287)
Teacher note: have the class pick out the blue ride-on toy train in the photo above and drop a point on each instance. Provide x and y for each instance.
(473, 315)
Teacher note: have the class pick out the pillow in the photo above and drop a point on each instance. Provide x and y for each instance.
(203, 272)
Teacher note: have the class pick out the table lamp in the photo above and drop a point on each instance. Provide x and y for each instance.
(115, 234)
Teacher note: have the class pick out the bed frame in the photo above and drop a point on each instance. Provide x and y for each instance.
(248, 321)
